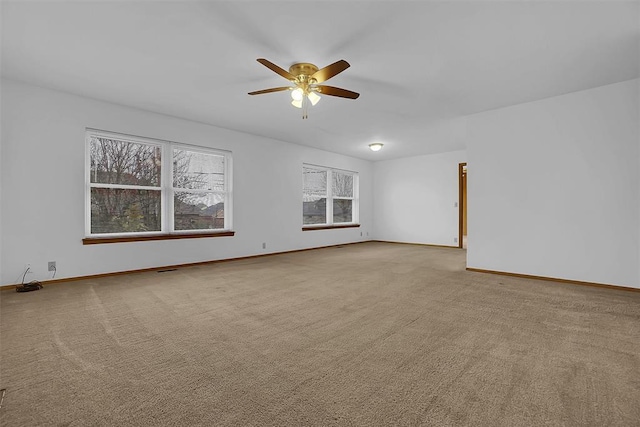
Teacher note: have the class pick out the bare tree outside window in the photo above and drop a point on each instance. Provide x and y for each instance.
(121, 205)
(198, 183)
(342, 197)
(314, 196)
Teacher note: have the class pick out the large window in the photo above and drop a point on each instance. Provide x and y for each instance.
(329, 196)
(139, 186)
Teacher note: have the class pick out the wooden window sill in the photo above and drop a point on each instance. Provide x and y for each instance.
(329, 227)
(123, 239)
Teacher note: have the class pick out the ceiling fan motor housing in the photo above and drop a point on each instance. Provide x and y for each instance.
(303, 71)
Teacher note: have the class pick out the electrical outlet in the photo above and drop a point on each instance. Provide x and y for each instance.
(361, 234)
(264, 245)
(455, 240)
(51, 265)
(455, 205)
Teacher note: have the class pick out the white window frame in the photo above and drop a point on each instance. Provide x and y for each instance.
(166, 185)
(355, 207)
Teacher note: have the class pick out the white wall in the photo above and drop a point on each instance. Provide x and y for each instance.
(637, 119)
(415, 199)
(1, 149)
(42, 190)
(553, 187)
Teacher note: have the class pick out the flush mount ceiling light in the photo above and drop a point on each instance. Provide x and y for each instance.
(376, 146)
(305, 78)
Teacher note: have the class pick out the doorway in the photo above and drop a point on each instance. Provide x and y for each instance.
(462, 205)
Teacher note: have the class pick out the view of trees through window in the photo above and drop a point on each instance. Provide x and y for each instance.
(314, 196)
(126, 187)
(316, 192)
(198, 182)
(342, 197)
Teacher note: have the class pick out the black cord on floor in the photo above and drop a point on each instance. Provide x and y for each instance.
(33, 285)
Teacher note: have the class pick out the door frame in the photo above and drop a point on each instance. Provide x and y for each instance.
(460, 201)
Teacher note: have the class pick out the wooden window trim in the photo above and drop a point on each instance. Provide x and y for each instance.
(124, 239)
(329, 227)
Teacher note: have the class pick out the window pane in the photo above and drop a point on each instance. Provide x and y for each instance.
(314, 211)
(198, 171)
(122, 162)
(116, 210)
(314, 184)
(342, 184)
(198, 211)
(342, 211)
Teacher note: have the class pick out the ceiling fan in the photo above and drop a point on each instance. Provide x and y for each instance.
(305, 78)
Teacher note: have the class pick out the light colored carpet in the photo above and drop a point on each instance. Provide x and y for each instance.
(360, 335)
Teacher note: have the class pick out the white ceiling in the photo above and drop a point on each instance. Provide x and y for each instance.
(417, 65)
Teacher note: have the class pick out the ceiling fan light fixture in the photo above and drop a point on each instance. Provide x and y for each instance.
(297, 103)
(313, 97)
(297, 94)
(376, 146)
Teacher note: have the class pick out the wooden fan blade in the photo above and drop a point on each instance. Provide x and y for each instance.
(329, 71)
(273, 67)
(273, 89)
(336, 91)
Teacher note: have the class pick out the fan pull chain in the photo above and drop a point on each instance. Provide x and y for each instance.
(305, 107)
